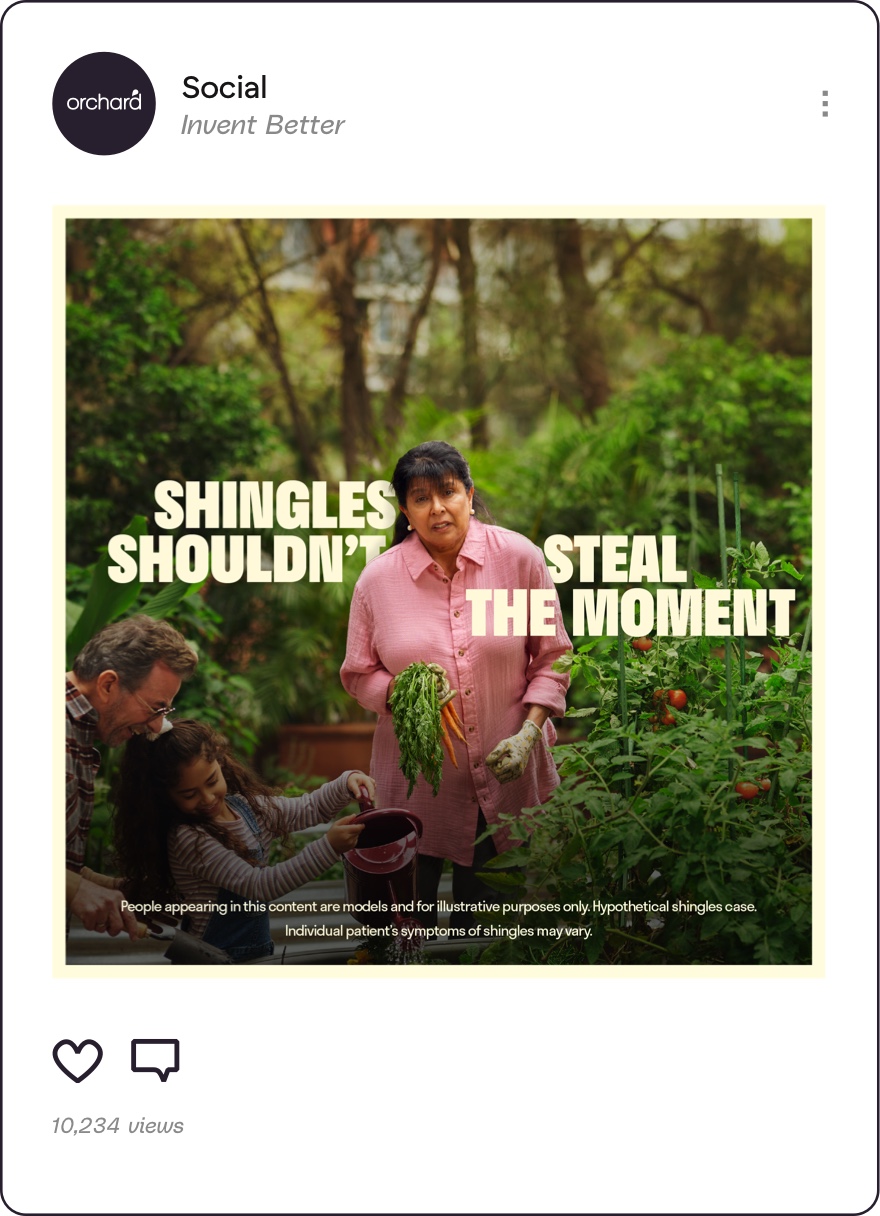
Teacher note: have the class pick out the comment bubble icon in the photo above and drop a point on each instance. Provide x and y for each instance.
(161, 1056)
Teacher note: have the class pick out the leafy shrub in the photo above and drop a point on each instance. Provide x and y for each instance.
(679, 808)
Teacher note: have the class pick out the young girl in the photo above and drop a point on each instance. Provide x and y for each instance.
(194, 826)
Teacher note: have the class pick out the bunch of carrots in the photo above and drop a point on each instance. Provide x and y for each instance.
(450, 723)
(422, 725)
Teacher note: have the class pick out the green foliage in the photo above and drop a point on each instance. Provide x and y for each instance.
(215, 694)
(104, 601)
(416, 711)
(647, 811)
(625, 471)
(652, 284)
(289, 639)
(137, 411)
(171, 376)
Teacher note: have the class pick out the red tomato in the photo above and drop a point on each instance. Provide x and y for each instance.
(660, 694)
(668, 719)
(677, 699)
(765, 783)
(747, 789)
(642, 643)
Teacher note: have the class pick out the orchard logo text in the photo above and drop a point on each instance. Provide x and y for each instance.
(104, 103)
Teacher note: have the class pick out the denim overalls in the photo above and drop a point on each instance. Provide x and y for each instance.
(243, 935)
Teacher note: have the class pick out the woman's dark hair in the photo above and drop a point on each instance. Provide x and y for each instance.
(145, 814)
(435, 462)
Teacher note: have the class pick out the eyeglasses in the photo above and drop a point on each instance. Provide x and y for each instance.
(160, 711)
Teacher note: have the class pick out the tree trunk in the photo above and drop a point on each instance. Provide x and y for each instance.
(394, 403)
(340, 257)
(583, 344)
(472, 370)
(270, 339)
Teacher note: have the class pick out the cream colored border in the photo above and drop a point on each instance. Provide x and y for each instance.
(60, 969)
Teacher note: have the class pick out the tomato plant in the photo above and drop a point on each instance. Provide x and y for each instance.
(650, 814)
(747, 789)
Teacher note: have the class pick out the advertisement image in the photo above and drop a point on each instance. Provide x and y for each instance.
(438, 592)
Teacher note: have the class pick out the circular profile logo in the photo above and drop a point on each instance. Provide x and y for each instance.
(104, 103)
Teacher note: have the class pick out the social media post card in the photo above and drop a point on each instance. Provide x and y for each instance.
(449, 437)
(572, 690)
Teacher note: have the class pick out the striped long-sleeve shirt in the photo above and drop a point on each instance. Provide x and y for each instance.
(202, 866)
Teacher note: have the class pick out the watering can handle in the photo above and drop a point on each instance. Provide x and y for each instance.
(365, 800)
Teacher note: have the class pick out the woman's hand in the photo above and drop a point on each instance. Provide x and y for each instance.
(343, 834)
(445, 692)
(508, 760)
(356, 780)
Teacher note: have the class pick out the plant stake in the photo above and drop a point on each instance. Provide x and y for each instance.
(742, 649)
(722, 543)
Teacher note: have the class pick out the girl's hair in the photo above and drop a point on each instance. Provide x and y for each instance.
(434, 462)
(145, 814)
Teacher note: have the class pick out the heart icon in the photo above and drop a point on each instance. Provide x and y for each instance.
(79, 1069)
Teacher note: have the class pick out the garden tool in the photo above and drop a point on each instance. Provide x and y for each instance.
(184, 947)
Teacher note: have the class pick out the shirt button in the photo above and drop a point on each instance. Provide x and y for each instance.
(467, 692)
(456, 613)
(461, 652)
(471, 729)
(446, 580)
(476, 764)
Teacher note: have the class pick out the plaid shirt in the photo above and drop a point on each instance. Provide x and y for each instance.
(81, 764)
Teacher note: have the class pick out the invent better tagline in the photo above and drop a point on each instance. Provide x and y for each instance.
(226, 90)
(294, 506)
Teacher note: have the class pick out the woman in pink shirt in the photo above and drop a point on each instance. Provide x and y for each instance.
(411, 605)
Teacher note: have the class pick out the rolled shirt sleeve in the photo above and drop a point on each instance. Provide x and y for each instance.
(544, 685)
(363, 673)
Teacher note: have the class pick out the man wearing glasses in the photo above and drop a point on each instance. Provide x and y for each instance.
(123, 683)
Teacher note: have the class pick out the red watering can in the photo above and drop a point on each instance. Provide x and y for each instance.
(381, 868)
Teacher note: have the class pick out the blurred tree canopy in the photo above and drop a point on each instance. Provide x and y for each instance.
(135, 411)
(594, 371)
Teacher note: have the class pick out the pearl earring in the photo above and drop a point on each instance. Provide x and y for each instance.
(409, 527)
(473, 512)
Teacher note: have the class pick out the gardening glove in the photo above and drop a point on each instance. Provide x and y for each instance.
(445, 692)
(508, 760)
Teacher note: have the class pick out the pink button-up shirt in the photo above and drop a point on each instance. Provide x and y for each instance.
(405, 610)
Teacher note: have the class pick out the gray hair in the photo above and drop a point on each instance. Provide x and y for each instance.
(131, 648)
